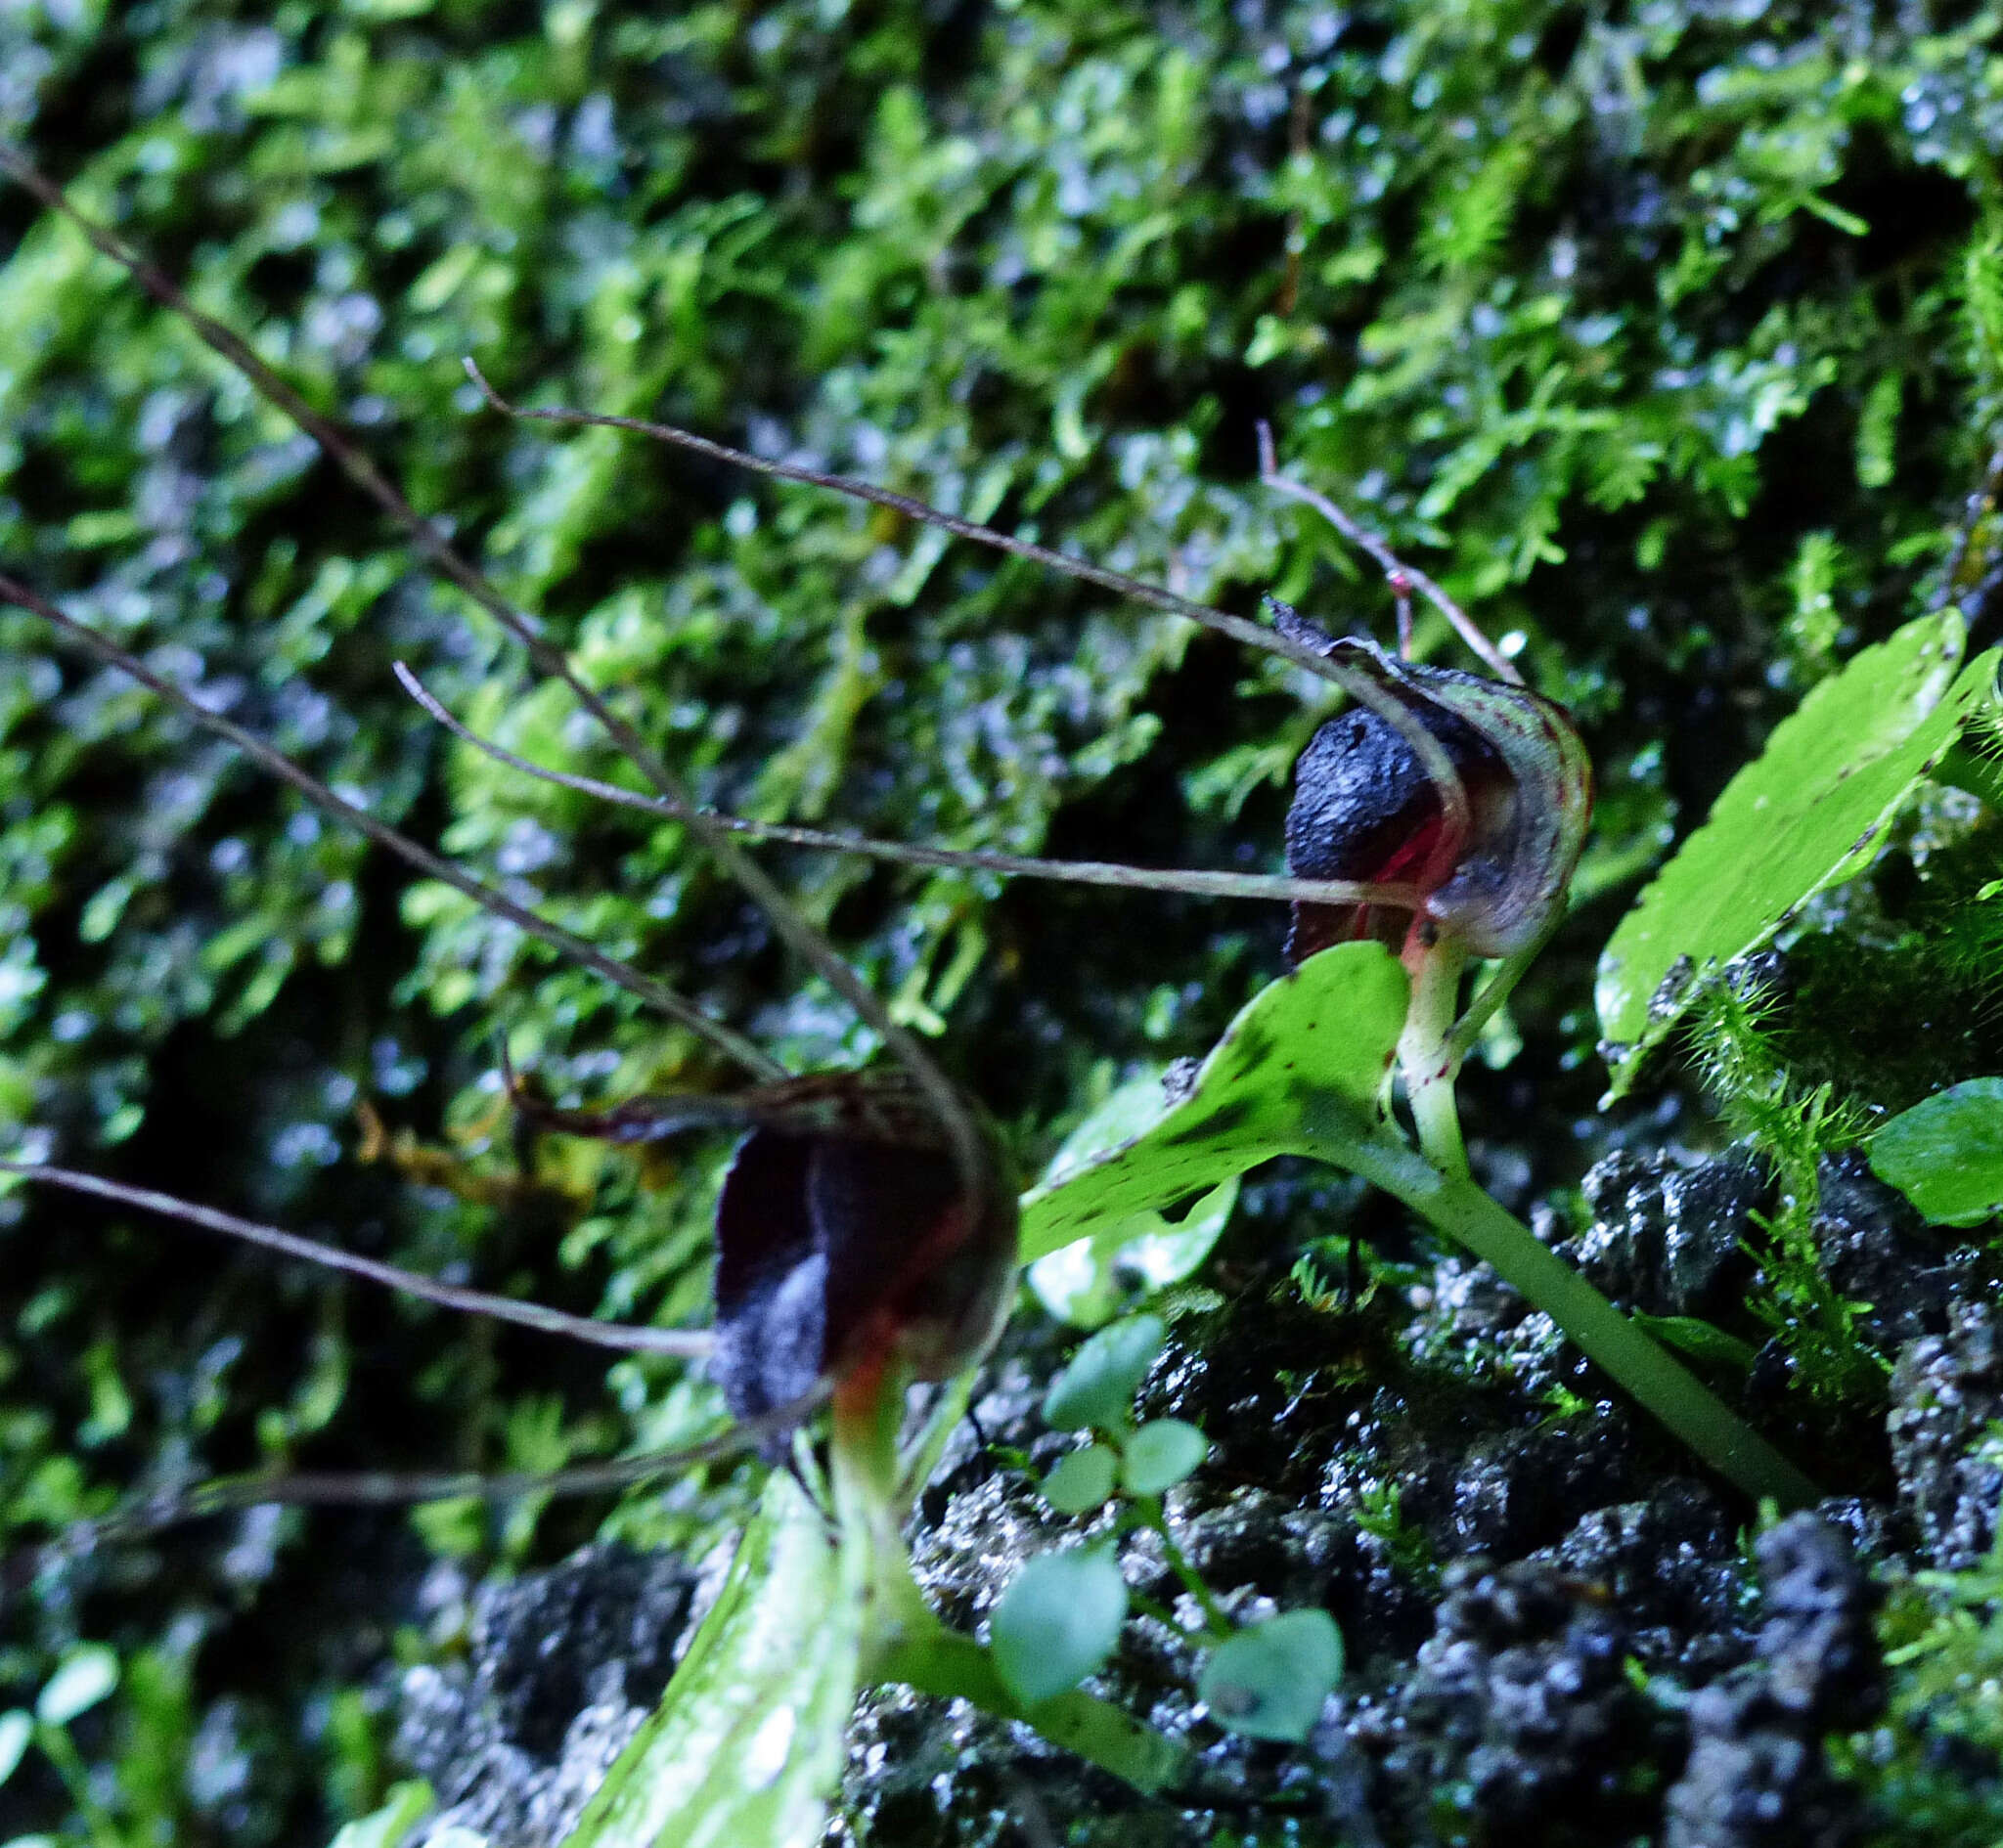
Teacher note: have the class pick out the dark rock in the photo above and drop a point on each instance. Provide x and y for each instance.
(1671, 1566)
(1256, 1543)
(1752, 1785)
(1945, 1390)
(1819, 1642)
(1521, 1491)
(1757, 1776)
(1667, 1238)
(562, 1668)
(1520, 1700)
(1876, 1250)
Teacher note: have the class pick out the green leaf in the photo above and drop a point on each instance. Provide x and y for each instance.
(405, 1808)
(1082, 1480)
(1810, 811)
(1945, 1155)
(1080, 1283)
(746, 1744)
(1269, 1679)
(1095, 1389)
(1313, 1049)
(1161, 1454)
(16, 1729)
(1697, 1338)
(1057, 1622)
(86, 1675)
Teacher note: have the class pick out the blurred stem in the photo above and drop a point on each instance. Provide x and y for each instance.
(1426, 1054)
(954, 1666)
(1149, 1513)
(61, 1752)
(904, 1640)
(1459, 1207)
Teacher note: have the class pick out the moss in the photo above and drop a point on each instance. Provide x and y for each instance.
(1670, 342)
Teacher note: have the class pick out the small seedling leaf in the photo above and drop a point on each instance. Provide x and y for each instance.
(1082, 1480)
(87, 1674)
(1269, 1679)
(1057, 1622)
(1095, 1389)
(746, 1744)
(1306, 1061)
(1945, 1155)
(1809, 812)
(407, 1806)
(16, 1729)
(1161, 1454)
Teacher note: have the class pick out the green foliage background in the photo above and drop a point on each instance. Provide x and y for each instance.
(1670, 336)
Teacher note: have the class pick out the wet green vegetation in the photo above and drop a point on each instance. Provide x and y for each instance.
(1669, 338)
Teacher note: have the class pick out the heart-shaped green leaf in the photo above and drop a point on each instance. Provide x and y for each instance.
(1082, 1480)
(1057, 1622)
(1945, 1154)
(1162, 1453)
(1097, 1386)
(1807, 812)
(746, 1744)
(1316, 1048)
(1269, 1681)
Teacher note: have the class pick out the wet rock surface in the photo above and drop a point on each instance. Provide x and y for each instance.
(560, 1669)
(1552, 1634)
(1876, 1250)
(1668, 1237)
(1945, 1390)
(1756, 1775)
(1518, 1703)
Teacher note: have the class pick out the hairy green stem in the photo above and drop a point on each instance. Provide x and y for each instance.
(1459, 1207)
(1427, 1058)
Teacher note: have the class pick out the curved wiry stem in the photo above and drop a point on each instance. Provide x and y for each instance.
(395, 1489)
(430, 541)
(683, 1343)
(1198, 882)
(1404, 578)
(270, 759)
(1438, 767)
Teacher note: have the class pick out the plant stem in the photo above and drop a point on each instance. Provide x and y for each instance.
(1689, 1409)
(1426, 1055)
(946, 1663)
(1149, 1513)
(903, 1638)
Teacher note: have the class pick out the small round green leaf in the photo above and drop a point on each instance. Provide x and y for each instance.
(1082, 1480)
(1269, 1681)
(1945, 1155)
(1057, 1622)
(16, 1729)
(86, 1676)
(1096, 1389)
(1161, 1453)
